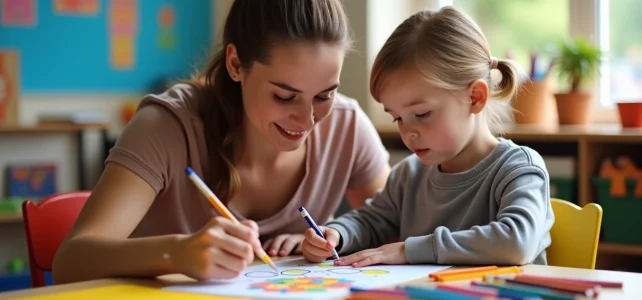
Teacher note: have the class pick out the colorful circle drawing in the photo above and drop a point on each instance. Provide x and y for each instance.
(301, 285)
(325, 265)
(375, 272)
(295, 272)
(348, 270)
(260, 274)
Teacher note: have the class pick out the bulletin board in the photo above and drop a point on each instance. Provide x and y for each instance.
(105, 46)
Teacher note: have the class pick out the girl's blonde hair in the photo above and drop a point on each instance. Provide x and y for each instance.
(450, 50)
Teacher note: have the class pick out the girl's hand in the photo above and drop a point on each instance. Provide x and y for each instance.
(284, 245)
(390, 254)
(221, 249)
(315, 248)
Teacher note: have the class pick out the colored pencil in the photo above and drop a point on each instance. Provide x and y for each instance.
(384, 294)
(472, 291)
(479, 274)
(396, 292)
(461, 271)
(220, 207)
(519, 291)
(317, 230)
(581, 289)
(431, 293)
(609, 284)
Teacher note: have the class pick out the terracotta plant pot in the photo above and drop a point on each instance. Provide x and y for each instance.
(630, 114)
(573, 108)
(534, 103)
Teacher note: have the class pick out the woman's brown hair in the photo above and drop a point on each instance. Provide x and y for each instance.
(254, 27)
(450, 50)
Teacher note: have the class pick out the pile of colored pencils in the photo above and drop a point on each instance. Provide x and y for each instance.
(491, 286)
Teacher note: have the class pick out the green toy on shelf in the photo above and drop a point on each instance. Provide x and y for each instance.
(619, 192)
(16, 265)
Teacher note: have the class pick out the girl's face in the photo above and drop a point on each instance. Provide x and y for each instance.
(286, 98)
(436, 124)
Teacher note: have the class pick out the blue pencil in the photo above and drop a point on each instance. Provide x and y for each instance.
(314, 226)
(428, 293)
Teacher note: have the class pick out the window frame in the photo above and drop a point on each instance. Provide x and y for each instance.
(588, 19)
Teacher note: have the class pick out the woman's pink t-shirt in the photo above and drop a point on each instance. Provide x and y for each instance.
(166, 135)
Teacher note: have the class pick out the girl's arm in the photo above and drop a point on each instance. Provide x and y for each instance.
(516, 238)
(376, 223)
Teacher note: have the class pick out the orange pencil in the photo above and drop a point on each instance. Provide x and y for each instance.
(479, 274)
(218, 205)
(461, 271)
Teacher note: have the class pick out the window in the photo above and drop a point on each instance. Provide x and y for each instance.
(517, 27)
(619, 24)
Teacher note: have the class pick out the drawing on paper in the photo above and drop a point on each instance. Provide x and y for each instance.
(298, 279)
(301, 285)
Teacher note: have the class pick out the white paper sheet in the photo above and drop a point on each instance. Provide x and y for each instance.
(298, 279)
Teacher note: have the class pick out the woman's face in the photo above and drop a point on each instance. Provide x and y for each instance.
(285, 98)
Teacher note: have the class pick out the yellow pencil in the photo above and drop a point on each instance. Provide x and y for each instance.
(218, 205)
(479, 274)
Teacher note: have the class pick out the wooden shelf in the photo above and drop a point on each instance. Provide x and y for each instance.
(10, 218)
(51, 128)
(611, 248)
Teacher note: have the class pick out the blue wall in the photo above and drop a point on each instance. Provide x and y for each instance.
(70, 54)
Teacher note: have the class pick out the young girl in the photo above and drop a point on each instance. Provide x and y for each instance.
(265, 128)
(465, 196)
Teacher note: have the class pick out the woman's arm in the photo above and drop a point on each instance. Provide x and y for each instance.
(97, 245)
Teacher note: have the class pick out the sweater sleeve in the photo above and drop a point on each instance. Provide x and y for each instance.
(513, 239)
(376, 223)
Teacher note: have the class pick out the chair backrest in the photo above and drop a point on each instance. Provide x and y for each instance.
(46, 225)
(575, 235)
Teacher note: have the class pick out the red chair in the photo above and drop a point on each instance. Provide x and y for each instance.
(46, 224)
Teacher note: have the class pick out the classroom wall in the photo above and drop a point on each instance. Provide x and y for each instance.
(66, 66)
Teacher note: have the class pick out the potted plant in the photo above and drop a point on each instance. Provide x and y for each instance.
(577, 62)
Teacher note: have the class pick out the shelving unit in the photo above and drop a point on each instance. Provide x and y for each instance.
(74, 138)
(589, 145)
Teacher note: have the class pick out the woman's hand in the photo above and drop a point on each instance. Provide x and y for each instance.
(221, 249)
(390, 254)
(284, 245)
(315, 248)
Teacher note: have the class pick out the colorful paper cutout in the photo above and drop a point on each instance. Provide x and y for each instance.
(122, 51)
(18, 13)
(166, 23)
(77, 7)
(123, 31)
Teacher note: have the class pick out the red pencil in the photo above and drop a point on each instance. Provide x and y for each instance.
(610, 284)
(587, 290)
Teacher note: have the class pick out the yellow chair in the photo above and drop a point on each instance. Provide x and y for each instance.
(575, 235)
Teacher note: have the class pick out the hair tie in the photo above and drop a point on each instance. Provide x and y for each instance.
(493, 62)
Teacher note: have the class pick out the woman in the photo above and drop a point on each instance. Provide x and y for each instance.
(265, 128)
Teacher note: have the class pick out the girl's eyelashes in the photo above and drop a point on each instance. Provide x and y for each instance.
(418, 116)
(423, 116)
